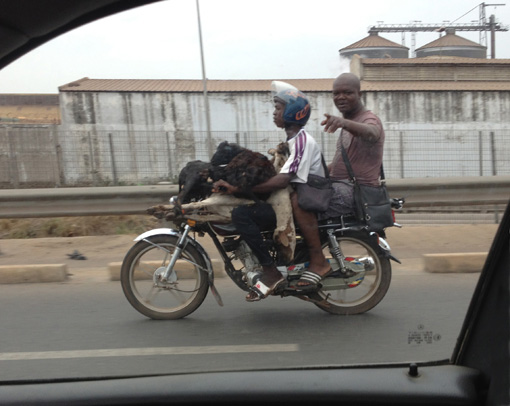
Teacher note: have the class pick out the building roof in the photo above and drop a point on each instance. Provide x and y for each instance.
(373, 41)
(451, 40)
(307, 85)
(485, 81)
(28, 99)
(433, 86)
(189, 86)
(435, 60)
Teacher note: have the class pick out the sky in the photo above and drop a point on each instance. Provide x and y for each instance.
(262, 39)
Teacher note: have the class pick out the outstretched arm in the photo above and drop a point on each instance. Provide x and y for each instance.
(370, 132)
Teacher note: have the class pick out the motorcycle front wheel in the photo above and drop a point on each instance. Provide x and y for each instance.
(183, 292)
(363, 290)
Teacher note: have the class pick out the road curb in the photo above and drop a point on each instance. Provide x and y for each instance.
(10, 274)
(433, 263)
(454, 262)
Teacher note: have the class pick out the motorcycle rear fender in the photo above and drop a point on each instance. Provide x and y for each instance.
(385, 247)
(378, 243)
(194, 243)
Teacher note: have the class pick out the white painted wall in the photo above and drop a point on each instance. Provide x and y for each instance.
(428, 133)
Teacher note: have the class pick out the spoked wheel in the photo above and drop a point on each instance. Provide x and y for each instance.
(183, 292)
(364, 287)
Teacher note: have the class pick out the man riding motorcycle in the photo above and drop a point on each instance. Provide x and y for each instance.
(292, 111)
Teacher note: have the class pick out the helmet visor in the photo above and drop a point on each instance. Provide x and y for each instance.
(277, 87)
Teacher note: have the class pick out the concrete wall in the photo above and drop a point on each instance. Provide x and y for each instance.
(417, 72)
(161, 132)
(441, 110)
(139, 138)
(50, 157)
(179, 115)
(29, 156)
(240, 112)
(110, 111)
(432, 134)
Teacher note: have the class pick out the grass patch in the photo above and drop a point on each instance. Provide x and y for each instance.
(75, 226)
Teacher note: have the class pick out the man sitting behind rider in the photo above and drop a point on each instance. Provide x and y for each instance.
(362, 137)
(292, 111)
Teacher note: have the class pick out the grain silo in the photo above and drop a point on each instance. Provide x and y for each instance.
(452, 45)
(375, 46)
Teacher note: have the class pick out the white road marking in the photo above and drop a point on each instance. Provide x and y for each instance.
(133, 352)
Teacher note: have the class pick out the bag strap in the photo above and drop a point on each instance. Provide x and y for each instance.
(383, 179)
(348, 163)
(346, 159)
(326, 171)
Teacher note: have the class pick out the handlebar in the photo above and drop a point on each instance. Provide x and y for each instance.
(397, 203)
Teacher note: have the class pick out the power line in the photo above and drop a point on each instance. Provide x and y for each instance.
(467, 12)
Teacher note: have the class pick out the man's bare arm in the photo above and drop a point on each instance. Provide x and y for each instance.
(370, 132)
(279, 181)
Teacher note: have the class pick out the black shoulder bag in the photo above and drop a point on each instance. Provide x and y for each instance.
(371, 203)
(316, 193)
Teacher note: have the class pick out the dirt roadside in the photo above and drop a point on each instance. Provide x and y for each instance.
(408, 244)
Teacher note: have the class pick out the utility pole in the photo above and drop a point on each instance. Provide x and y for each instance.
(210, 146)
(492, 27)
(492, 23)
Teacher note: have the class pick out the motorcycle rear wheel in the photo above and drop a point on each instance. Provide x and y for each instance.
(181, 295)
(369, 292)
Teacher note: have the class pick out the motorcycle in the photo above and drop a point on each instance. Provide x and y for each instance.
(167, 273)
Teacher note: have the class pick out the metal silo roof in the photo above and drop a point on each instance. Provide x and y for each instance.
(451, 40)
(374, 41)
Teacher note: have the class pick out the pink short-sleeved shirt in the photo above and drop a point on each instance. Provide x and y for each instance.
(365, 156)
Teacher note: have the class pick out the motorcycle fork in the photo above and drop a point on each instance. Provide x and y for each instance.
(181, 244)
(336, 251)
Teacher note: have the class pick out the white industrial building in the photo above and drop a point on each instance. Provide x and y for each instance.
(451, 96)
(444, 115)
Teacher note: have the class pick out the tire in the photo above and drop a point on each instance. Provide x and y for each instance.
(163, 301)
(369, 292)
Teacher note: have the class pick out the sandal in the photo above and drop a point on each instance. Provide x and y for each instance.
(253, 296)
(261, 290)
(267, 290)
(311, 281)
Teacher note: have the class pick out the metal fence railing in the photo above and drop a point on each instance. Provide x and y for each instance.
(49, 157)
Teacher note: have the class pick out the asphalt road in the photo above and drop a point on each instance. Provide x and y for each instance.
(86, 328)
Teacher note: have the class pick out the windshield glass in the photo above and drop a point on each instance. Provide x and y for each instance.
(101, 129)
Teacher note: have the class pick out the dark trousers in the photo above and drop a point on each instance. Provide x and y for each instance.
(249, 222)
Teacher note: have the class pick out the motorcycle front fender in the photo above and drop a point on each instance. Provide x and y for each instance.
(194, 243)
(158, 231)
